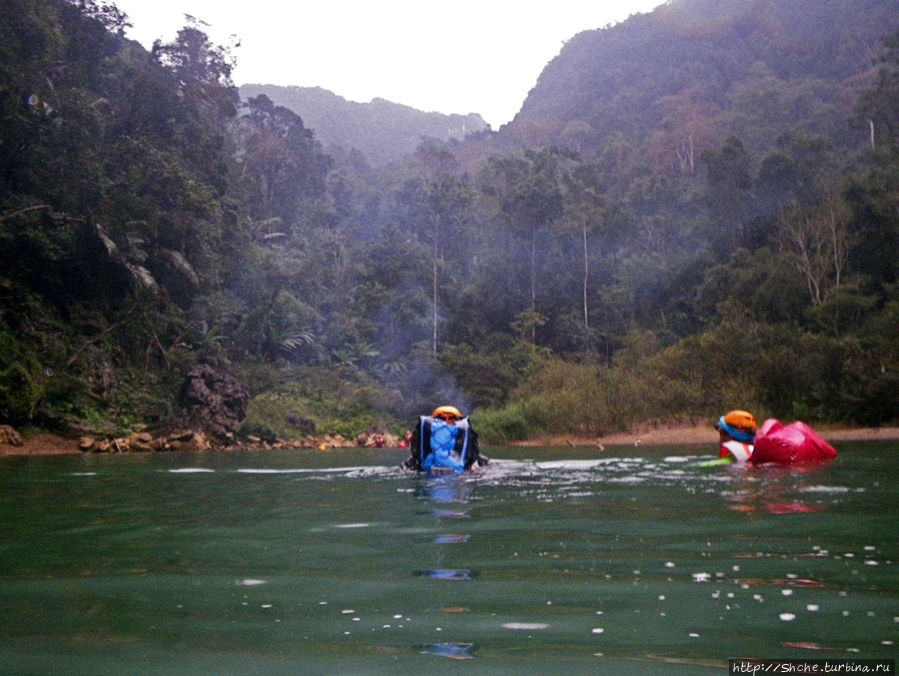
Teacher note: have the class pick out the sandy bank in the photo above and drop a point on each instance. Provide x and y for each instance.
(698, 434)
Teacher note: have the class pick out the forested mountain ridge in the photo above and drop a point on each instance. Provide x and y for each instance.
(566, 274)
(383, 131)
(707, 69)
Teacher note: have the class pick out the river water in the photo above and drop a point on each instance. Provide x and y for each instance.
(553, 561)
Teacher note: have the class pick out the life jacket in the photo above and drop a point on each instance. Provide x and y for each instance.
(738, 450)
(444, 446)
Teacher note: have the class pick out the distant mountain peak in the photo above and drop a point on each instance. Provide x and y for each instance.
(382, 130)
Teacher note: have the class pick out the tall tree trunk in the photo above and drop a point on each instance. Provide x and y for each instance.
(534, 282)
(434, 291)
(586, 275)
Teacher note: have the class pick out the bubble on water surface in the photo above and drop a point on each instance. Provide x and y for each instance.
(192, 470)
(787, 617)
(250, 583)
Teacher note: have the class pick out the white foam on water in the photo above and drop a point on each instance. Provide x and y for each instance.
(322, 470)
(824, 489)
(628, 480)
(787, 617)
(250, 583)
(573, 464)
(352, 525)
(526, 626)
(192, 470)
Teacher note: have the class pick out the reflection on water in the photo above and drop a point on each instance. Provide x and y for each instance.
(642, 561)
(452, 575)
(454, 651)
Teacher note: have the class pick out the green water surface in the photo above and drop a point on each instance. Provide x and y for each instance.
(553, 561)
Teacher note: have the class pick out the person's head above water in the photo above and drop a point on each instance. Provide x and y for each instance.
(448, 413)
(738, 425)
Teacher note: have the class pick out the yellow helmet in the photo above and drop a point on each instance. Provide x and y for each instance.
(448, 413)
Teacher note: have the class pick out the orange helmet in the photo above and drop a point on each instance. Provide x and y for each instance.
(739, 425)
(741, 420)
(448, 413)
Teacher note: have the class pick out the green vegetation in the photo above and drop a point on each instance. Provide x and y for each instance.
(695, 210)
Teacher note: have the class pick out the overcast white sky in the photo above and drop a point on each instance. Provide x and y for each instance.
(464, 56)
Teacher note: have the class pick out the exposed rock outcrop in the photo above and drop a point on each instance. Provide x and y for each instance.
(9, 436)
(213, 403)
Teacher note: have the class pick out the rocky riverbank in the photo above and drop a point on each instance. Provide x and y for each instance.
(12, 443)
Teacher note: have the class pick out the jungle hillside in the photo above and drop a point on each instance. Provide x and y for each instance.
(695, 210)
